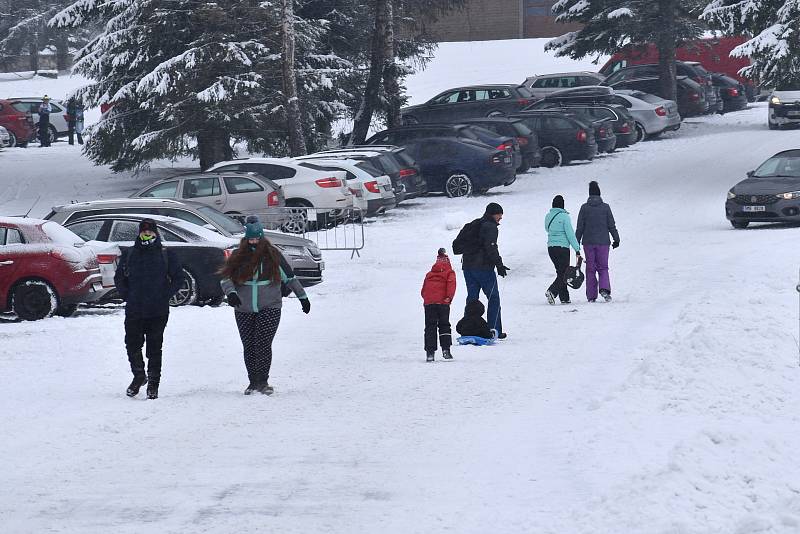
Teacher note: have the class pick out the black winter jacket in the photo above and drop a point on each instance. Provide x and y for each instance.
(595, 222)
(145, 281)
(487, 257)
(473, 323)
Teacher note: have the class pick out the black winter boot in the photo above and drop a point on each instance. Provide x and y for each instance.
(251, 387)
(136, 384)
(446, 354)
(152, 390)
(429, 356)
(265, 388)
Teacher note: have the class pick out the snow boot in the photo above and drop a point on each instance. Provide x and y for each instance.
(551, 299)
(152, 390)
(502, 335)
(429, 356)
(251, 387)
(606, 294)
(265, 388)
(136, 384)
(446, 354)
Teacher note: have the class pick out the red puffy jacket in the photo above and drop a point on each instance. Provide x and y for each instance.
(440, 283)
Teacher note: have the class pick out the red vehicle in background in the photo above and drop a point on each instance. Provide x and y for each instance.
(46, 269)
(712, 53)
(19, 124)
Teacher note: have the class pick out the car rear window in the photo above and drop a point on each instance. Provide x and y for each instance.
(524, 92)
(522, 128)
(389, 164)
(700, 70)
(59, 234)
(369, 168)
(239, 184)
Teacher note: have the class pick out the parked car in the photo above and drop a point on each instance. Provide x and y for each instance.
(691, 70)
(713, 52)
(784, 106)
(373, 192)
(526, 138)
(18, 123)
(304, 256)
(771, 193)
(58, 120)
(623, 123)
(732, 92)
(324, 191)
(5, 138)
(45, 269)
(654, 115)
(542, 85)
(563, 138)
(691, 97)
(393, 161)
(237, 194)
(469, 102)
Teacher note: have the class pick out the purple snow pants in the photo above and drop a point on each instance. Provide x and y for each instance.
(596, 267)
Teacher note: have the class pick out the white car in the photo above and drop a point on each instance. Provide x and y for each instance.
(653, 114)
(784, 106)
(372, 190)
(5, 139)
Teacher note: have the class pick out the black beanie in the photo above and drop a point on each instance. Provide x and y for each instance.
(493, 208)
(594, 189)
(148, 224)
(558, 202)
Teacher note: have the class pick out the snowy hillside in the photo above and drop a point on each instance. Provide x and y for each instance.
(672, 410)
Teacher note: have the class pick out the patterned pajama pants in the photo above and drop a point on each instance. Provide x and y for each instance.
(257, 331)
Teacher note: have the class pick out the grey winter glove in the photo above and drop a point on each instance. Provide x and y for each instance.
(306, 304)
(234, 300)
(615, 244)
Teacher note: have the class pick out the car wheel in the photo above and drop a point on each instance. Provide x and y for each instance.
(187, 293)
(34, 300)
(551, 157)
(772, 125)
(458, 185)
(640, 132)
(298, 217)
(66, 310)
(740, 224)
(53, 133)
(12, 139)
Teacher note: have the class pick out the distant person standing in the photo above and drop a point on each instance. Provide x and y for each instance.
(595, 223)
(560, 236)
(75, 120)
(437, 295)
(44, 121)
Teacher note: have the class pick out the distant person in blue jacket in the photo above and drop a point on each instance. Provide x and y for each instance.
(560, 237)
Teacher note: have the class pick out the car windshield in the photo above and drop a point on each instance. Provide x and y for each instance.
(779, 166)
(225, 222)
(59, 234)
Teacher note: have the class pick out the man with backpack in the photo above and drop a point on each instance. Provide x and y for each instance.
(477, 242)
(146, 278)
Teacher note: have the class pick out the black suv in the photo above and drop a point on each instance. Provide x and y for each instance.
(470, 102)
(563, 138)
(526, 138)
(623, 123)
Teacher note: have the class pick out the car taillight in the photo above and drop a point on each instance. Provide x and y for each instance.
(732, 91)
(106, 258)
(581, 136)
(329, 182)
(272, 199)
(694, 96)
(524, 101)
(523, 141)
(661, 111)
(407, 172)
(372, 187)
(228, 253)
(626, 128)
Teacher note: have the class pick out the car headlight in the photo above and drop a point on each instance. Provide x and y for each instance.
(775, 100)
(293, 250)
(731, 195)
(791, 195)
(314, 250)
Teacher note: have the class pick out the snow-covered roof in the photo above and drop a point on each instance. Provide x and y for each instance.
(21, 221)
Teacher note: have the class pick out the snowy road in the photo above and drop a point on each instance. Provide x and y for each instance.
(671, 410)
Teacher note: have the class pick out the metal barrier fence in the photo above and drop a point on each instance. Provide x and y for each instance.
(329, 228)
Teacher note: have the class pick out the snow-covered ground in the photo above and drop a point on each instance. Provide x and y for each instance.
(672, 410)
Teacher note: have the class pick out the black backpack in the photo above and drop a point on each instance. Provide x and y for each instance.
(468, 239)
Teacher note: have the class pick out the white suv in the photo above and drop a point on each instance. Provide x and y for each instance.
(784, 106)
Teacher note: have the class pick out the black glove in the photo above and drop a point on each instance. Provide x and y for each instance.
(234, 300)
(502, 270)
(306, 304)
(615, 244)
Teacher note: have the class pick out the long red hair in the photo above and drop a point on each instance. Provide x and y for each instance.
(243, 263)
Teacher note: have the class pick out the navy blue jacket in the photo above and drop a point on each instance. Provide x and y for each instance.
(595, 222)
(145, 281)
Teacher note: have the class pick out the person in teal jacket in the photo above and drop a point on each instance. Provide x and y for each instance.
(560, 237)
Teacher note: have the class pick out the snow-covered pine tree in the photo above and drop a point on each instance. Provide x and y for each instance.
(774, 27)
(609, 25)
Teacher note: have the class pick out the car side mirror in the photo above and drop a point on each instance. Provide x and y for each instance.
(750, 174)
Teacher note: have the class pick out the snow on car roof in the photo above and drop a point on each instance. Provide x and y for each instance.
(138, 200)
(22, 221)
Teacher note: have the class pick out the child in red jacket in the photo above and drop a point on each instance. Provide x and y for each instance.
(437, 294)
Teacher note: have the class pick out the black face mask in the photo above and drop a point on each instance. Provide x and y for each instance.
(253, 248)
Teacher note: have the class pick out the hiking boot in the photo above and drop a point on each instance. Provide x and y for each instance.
(606, 294)
(265, 389)
(152, 390)
(446, 354)
(502, 335)
(429, 356)
(551, 299)
(566, 302)
(251, 387)
(136, 384)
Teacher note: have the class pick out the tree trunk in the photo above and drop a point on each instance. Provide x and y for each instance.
(666, 50)
(297, 142)
(391, 72)
(213, 146)
(33, 48)
(369, 102)
(62, 52)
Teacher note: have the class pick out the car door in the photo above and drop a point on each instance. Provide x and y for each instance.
(433, 160)
(439, 106)
(206, 190)
(244, 194)
(500, 100)
(10, 260)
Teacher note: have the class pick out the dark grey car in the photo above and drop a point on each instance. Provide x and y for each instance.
(771, 193)
(470, 102)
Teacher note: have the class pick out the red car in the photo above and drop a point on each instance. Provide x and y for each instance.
(19, 124)
(45, 269)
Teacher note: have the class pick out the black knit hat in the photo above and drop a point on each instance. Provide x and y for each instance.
(558, 202)
(148, 224)
(594, 189)
(493, 208)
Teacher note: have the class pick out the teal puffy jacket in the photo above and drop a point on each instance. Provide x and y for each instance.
(559, 230)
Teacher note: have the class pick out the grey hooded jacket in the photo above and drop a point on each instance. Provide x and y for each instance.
(595, 222)
(260, 293)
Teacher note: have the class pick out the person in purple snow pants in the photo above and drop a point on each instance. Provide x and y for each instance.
(595, 223)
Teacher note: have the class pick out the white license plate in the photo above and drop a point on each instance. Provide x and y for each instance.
(322, 266)
(754, 208)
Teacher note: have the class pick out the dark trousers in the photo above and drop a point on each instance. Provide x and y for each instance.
(257, 330)
(44, 133)
(560, 259)
(139, 331)
(486, 281)
(437, 317)
(72, 134)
